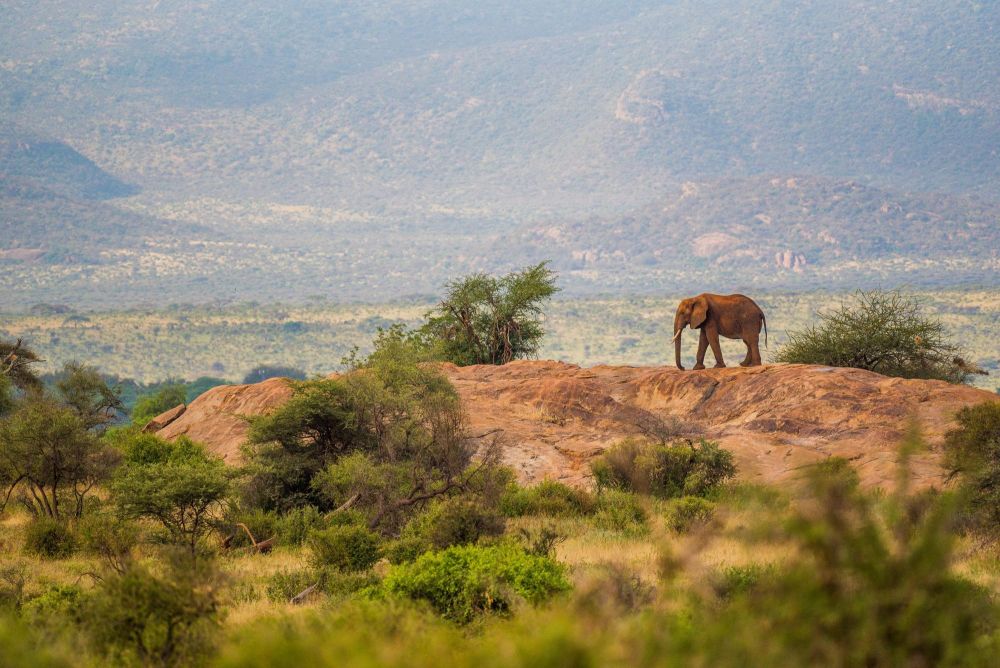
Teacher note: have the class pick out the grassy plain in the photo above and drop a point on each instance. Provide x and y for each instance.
(189, 341)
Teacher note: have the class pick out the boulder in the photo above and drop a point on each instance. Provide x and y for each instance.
(554, 418)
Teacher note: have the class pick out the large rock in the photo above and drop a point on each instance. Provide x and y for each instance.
(554, 417)
(217, 418)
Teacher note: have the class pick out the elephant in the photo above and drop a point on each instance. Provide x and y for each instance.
(732, 316)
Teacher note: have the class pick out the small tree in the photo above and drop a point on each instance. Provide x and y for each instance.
(48, 453)
(488, 320)
(884, 332)
(183, 489)
(82, 389)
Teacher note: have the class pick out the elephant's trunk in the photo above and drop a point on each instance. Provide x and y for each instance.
(678, 328)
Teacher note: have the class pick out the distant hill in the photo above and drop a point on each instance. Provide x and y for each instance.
(375, 150)
(38, 225)
(769, 230)
(54, 165)
(518, 106)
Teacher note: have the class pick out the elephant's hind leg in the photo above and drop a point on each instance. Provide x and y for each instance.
(753, 349)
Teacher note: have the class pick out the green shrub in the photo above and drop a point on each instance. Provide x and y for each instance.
(621, 512)
(50, 538)
(973, 451)
(688, 512)
(22, 646)
(110, 537)
(295, 525)
(405, 549)
(348, 548)
(884, 332)
(59, 604)
(455, 521)
(285, 584)
(548, 497)
(263, 524)
(464, 581)
(666, 471)
(169, 618)
(737, 580)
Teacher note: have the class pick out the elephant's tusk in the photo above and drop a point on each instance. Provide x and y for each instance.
(677, 335)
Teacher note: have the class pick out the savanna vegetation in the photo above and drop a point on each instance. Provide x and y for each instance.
(367, 526)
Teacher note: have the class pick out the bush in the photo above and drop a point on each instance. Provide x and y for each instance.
(884, 332)
(548, 497)
(973, 451)
(284, 585)
(666, 471)
(294, 526)
(455, 521)
(176, 484)
(621, 512)
(58, 604)
(688, 512)
(405, 549)
(157, 619)
(263, 524)
(738, 580)
(349, 548)
(465, 581)
(50, 538)
(110, 537)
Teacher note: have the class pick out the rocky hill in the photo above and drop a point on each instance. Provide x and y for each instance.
(554, 418)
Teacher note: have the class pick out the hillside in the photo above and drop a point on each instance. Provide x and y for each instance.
(569, 105)
(375, 151)
(553, 418)
(764, 231)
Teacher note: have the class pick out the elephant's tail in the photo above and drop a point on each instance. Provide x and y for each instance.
(764, 321)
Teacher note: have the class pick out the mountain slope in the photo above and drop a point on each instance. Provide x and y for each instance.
(765, 230)
(568, 105)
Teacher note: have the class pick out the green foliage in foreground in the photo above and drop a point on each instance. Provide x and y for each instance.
(884, 332)
(666, 471)
(973, 450)
(464, 581)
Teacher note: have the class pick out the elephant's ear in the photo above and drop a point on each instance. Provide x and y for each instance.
(699, 312)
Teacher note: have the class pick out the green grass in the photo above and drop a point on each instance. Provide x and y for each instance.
(152, 345)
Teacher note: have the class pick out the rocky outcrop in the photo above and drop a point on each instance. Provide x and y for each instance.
(217, 418)
(554, 418)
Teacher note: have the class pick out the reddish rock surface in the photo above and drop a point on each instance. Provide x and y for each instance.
(216, 417)
(555, 417)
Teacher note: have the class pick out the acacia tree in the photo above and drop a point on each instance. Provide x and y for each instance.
(176, 484)
(47, 452)
(492, 320)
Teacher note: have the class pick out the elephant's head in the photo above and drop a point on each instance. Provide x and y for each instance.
(692, 312)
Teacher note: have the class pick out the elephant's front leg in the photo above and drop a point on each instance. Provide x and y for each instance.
(702, 347)
(713, 339)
